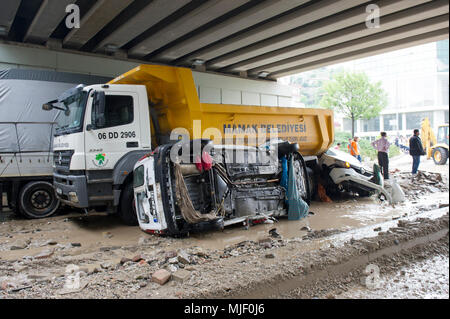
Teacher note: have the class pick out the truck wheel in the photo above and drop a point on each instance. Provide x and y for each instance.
(38, 200)
(127, 210)
(440, 156)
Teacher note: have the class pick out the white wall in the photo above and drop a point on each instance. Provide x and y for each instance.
(12, 56)
(222, 89)
(212, 88)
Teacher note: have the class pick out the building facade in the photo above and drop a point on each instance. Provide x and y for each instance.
(417, 83)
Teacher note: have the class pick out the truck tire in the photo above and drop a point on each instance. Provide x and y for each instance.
(127, 210)
(38, 200)
(440, 156)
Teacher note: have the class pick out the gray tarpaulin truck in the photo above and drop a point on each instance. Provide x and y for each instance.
(26, 135)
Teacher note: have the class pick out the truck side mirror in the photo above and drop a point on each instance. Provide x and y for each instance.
(98, 107)
(47, 107)
(50, 106)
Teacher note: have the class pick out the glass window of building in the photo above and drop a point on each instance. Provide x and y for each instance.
(414, 120)
(347, 125)
(390, 122)
(372, 125)
(400, 121)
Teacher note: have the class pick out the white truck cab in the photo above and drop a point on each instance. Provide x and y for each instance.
(102, 131)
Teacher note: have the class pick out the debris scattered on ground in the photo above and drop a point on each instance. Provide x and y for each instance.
(107, 234)
(20, 244)
(273, 232)
(423, 182)
(161, 276)
(161, 273)
(314, 234)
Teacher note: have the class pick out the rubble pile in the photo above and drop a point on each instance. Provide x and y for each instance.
(315, 234)
(422, 183)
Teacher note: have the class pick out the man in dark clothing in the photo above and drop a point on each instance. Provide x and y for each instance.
(416, 150)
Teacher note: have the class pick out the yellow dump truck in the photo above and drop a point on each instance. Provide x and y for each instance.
(174, 103)
(216, 161)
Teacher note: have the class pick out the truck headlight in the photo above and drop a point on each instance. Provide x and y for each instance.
(73, 197)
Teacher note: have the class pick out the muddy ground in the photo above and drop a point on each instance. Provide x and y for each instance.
(301, 259)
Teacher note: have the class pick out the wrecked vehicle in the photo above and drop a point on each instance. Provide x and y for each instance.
(229, 185)
(343, 172)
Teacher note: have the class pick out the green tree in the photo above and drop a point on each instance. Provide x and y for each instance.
(353, 95)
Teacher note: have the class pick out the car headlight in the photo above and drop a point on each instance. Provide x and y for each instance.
(342, 164)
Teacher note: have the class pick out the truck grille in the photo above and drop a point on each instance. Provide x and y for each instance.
(62, 160)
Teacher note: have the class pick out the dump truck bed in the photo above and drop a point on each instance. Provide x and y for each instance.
(174, 103)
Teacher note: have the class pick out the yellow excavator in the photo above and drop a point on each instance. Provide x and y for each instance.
(435, 147)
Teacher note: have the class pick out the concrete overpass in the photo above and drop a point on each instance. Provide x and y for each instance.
(249, 38)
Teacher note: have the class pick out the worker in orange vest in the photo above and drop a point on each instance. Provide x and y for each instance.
(354, 148)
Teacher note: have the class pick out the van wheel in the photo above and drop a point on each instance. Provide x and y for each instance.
(440, 156)
(38, 200)
(127, 209)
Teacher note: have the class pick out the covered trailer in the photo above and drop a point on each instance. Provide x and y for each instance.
(26, 136)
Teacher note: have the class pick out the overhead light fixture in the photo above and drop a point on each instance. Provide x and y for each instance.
(198, 62)
(263, 74)
(3, 30)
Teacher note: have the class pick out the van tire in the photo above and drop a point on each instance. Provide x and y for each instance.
(37, 200)
(127, 210)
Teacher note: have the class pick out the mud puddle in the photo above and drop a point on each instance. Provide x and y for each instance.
(340, 215)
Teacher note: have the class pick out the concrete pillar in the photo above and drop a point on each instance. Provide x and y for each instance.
(201, 67)
(438, 119)
(404, 122)
(243, 74)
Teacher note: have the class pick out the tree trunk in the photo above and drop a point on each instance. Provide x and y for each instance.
(353, 126)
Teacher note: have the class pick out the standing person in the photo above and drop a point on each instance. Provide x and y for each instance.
(349, 145)
(354, 148)
(416, 150)
(338, 146)
(382, 146)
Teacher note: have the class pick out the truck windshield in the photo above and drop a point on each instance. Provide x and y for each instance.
(71, 121)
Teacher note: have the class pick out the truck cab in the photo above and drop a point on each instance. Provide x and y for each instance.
(102, 130)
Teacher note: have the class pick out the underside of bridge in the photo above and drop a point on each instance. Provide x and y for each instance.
(250, 38)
